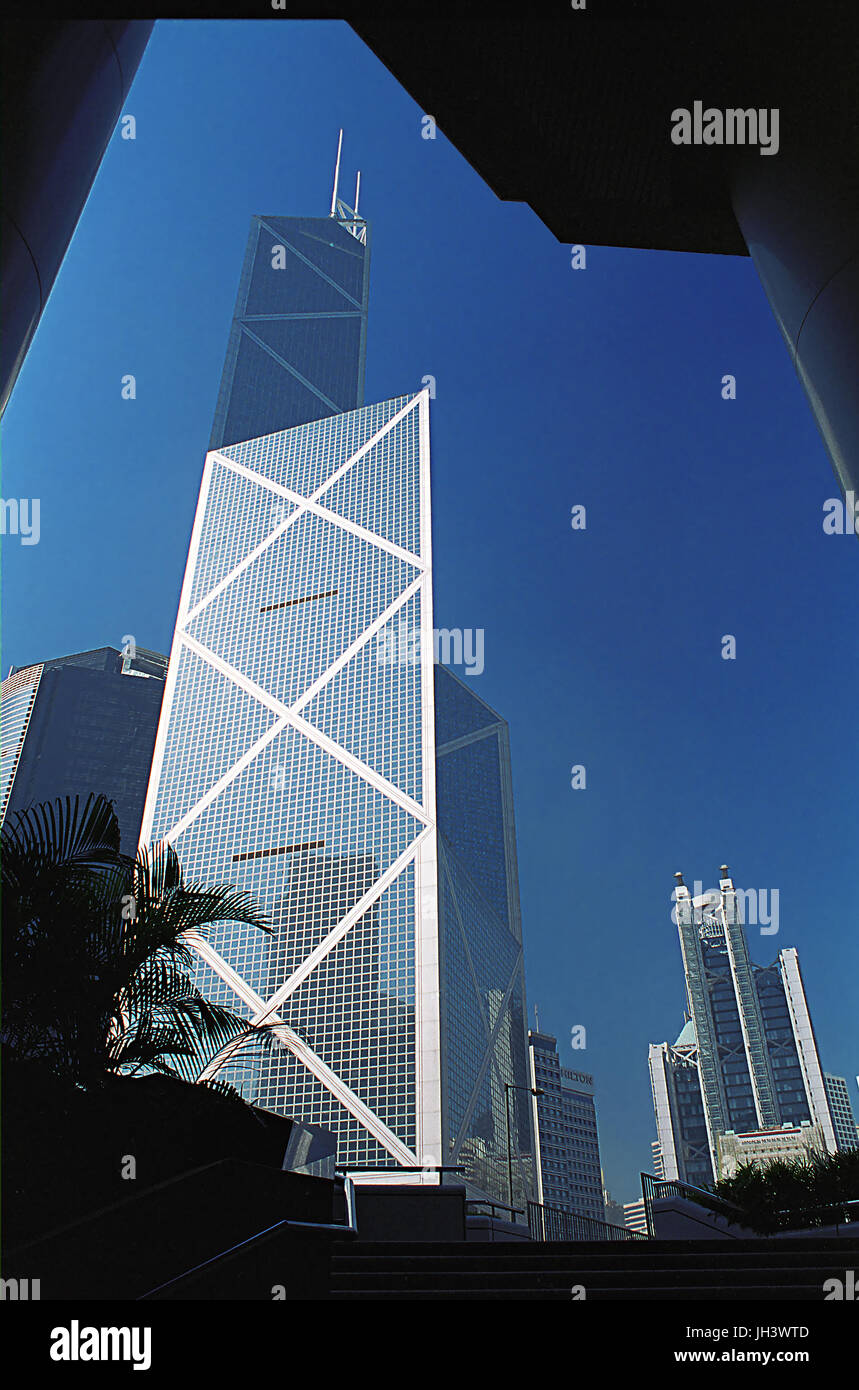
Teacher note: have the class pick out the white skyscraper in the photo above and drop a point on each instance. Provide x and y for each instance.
(746, 1062)
(288, 747)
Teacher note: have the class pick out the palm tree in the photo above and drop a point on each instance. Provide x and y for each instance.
(97, 950)
(781, 1193)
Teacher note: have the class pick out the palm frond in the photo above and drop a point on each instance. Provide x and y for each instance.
(97, 949)
(64, 832)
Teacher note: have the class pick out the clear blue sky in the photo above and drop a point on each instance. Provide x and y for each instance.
(554, 387)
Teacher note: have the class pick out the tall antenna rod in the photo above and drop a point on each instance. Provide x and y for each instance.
(336, 176)
(355, 209)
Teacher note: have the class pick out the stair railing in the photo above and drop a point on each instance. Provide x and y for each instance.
(550, 1223)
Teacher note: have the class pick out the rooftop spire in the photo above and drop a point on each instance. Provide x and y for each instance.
(347, 217)
(336, 177)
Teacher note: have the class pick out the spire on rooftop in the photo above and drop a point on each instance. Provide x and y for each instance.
(347, 216)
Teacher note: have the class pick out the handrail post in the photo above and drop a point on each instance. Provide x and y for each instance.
(648, 1183)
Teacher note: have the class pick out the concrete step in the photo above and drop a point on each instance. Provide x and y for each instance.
(416, 1259)
(723, 1271)
(416, 1277)
(763, 1293)
(705, 1253)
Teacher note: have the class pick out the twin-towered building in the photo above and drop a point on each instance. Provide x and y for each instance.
(743, 1081)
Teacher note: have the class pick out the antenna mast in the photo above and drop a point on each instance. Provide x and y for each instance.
(336, 177)
(346, 217)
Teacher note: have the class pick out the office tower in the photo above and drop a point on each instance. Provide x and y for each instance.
(310, 756)
(297, 345)
(65, 83)
(297, 759)
(80, 724)
(567, 1139)
(746, 1060)
(613, 1211)
(486, 1078)
(635, 1216)
(293, 761)
(656, 1154)
(842, 1111)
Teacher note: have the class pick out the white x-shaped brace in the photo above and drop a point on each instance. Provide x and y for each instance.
(289, 715)
(266, 1012)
